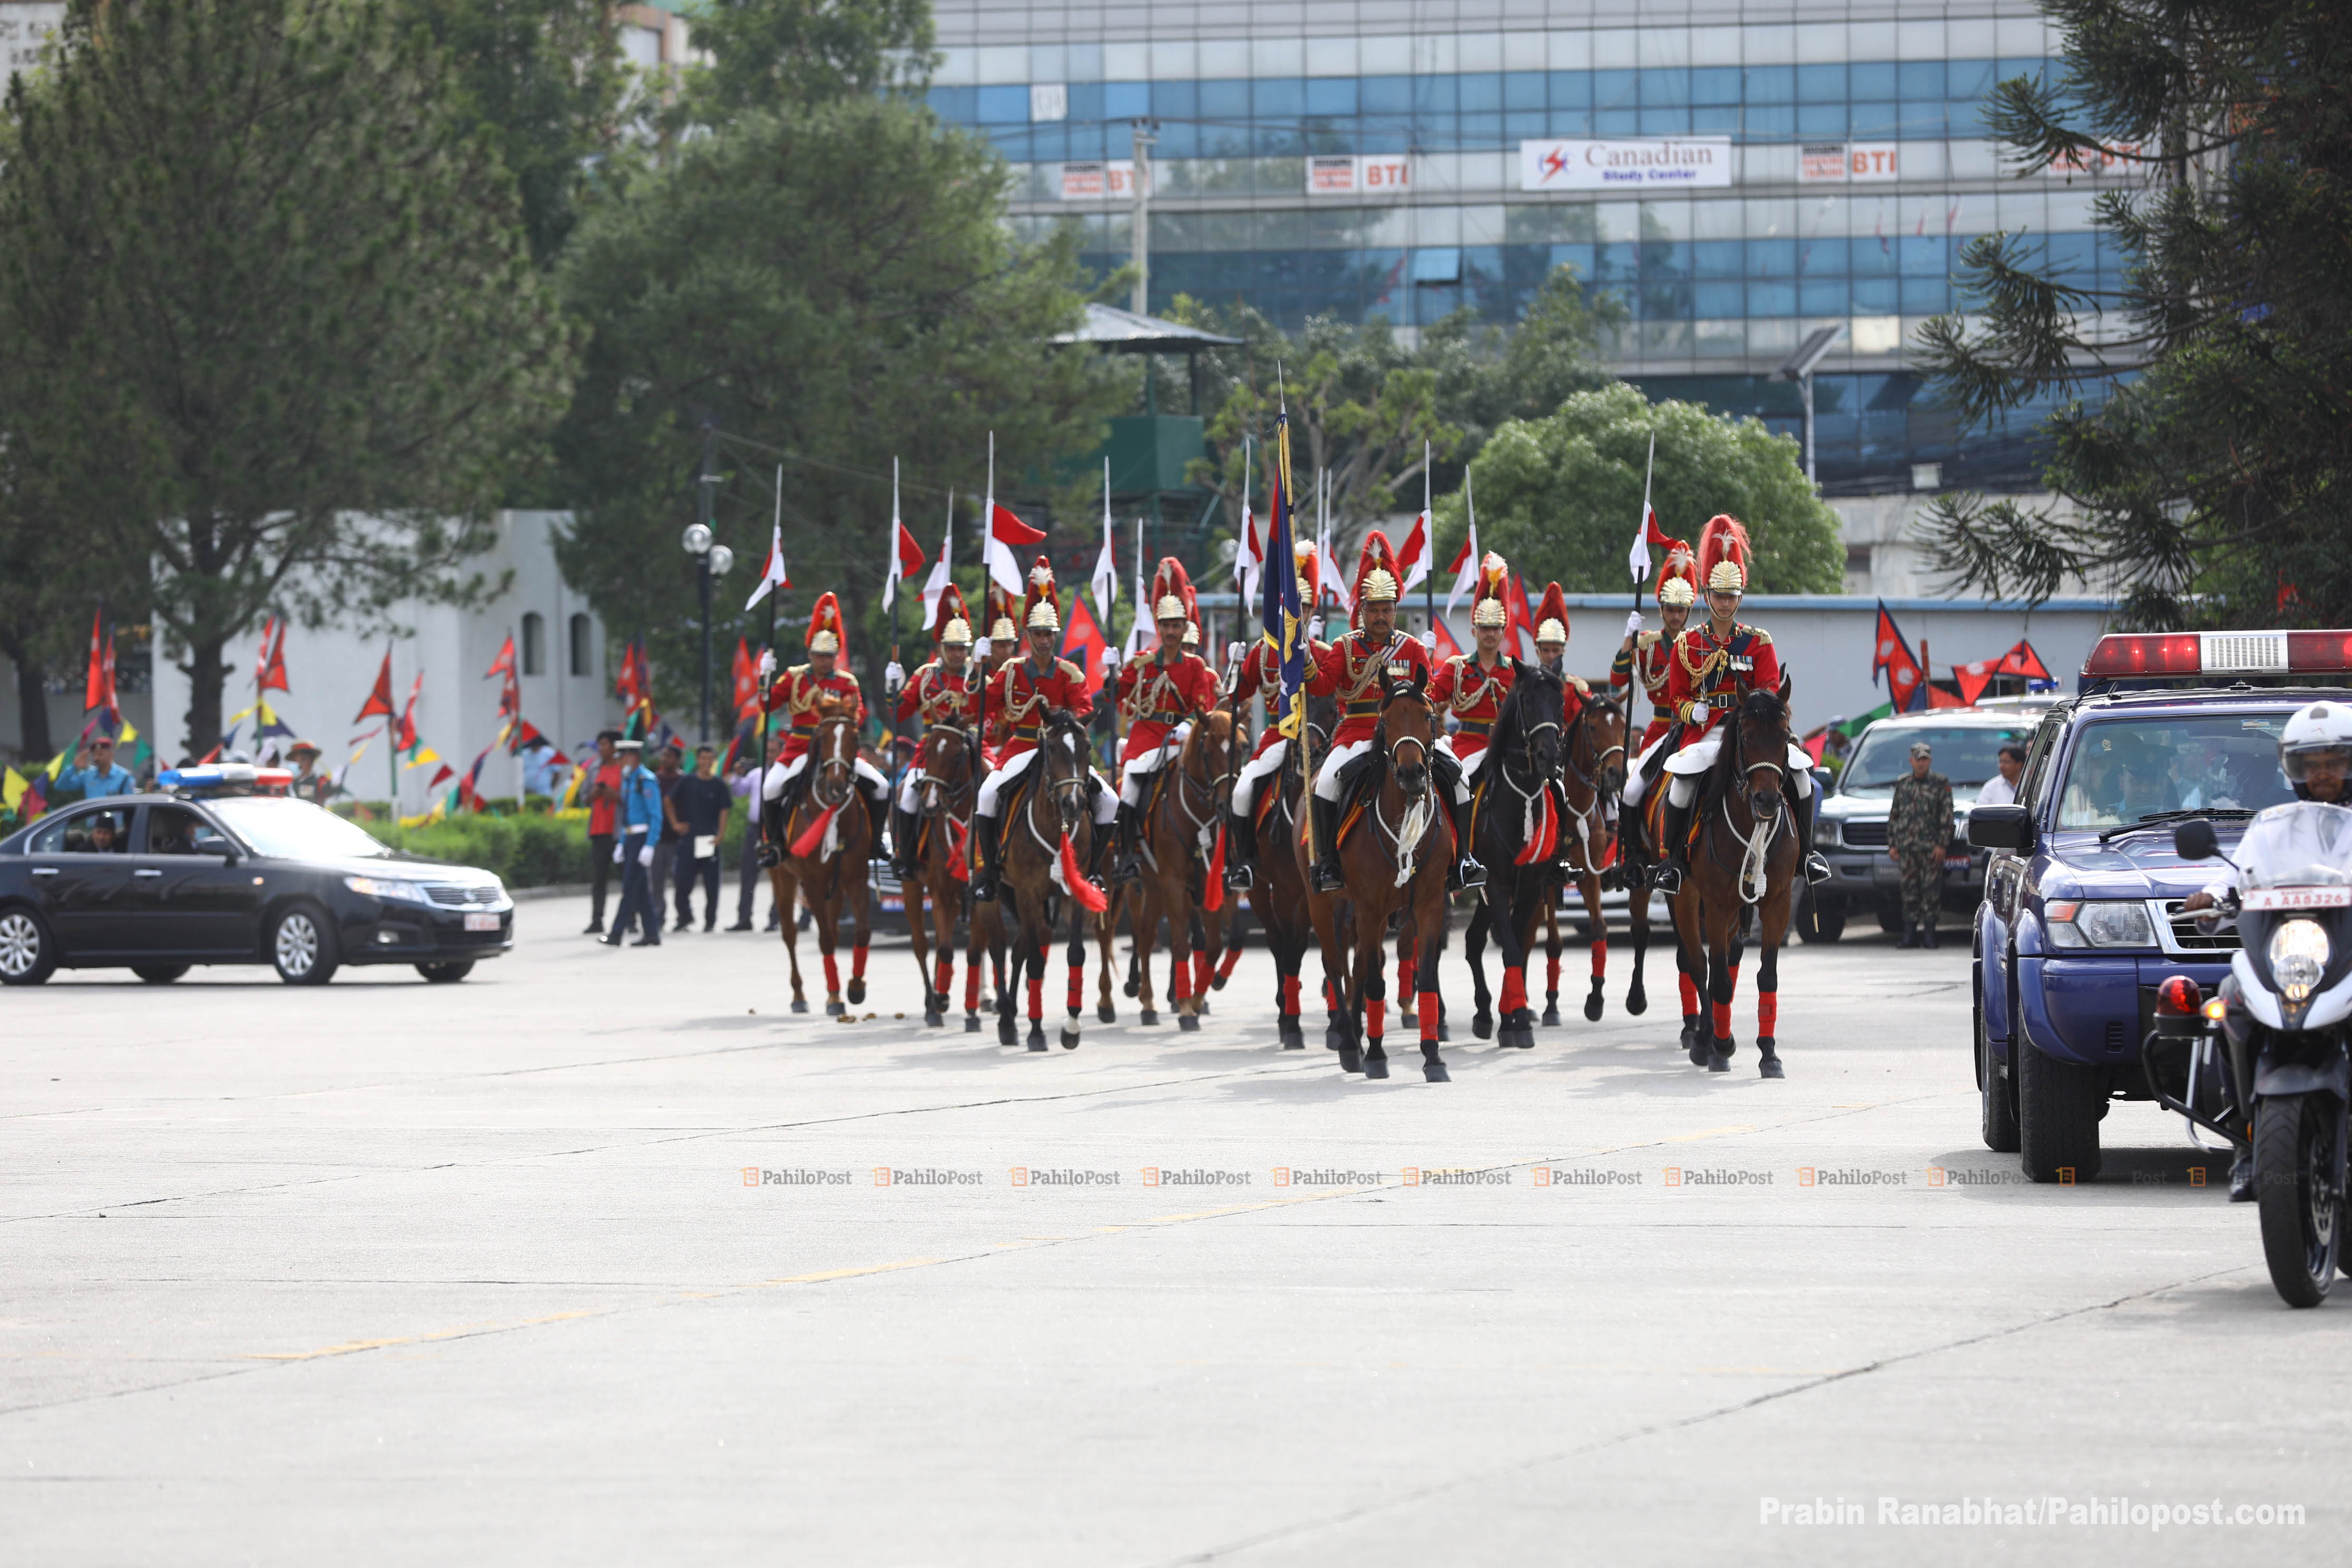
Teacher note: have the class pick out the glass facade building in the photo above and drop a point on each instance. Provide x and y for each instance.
(1816, 164)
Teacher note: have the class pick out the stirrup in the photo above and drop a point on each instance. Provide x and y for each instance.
(1467, 874)
(1237, 874)
(1666, 878)
(1817, 870)
(1329, 878)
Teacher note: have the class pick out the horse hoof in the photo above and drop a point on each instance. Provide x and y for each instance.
(1769, 1068)
(857, 990)
(1069, 1040)
(800, 1005)
(1200, 1006)
(1037, 1044)
(1551, 1016)
(1107, 1014)
(972, 1023)
(833, 1007)
(1444, 1032)
(1482, 1024)
(1635, 1003)
(934, 1020)
(1006, 1035)
(1434, 1071)
(1700, 1051)
(1717, 1061)
(1187, 1024)
(1292, 1040)
(1217, 982)
(1148, 1018)
(1376, 1066)
(1133, 987)
(1350, 1059)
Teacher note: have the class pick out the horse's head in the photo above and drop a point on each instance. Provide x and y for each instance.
(1538, 700)
(1407, 729)
(1600, 747)
(945, 759)
(1211, 753)
(833, 750)
(1063, 750)
(1760, 730)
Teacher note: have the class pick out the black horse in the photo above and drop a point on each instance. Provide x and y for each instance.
(1518, 803)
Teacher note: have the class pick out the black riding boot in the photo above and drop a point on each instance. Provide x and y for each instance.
(1241, 847)
(906, 832)
(1130, 829)
(1329, 878)
(878, 814)
(983, 881)
(1098, 850)
(1815, 869)
(1466, 872)
(1677, 832)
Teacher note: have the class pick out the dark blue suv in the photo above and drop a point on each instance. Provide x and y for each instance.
(2080, 918)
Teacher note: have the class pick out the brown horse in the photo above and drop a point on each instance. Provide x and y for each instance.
(1189, 799)
(943, 814)
(1594, 773)
(1277, 893)
(824, 839)
(1050, 830)
(1394, 851)
(1743, 864)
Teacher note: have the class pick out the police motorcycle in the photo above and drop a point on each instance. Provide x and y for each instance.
(2265, 1063)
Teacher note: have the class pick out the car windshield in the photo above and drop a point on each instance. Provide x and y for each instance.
(1966, 756)
(288, 829)
(2129, 770)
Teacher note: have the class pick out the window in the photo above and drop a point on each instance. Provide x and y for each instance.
(2125, 770)
(105, 832)
(534, 644)
(177, 830)
(582, 651)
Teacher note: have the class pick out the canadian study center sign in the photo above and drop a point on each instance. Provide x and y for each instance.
(1627, 164)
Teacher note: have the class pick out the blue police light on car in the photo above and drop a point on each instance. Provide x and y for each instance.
(221, 778)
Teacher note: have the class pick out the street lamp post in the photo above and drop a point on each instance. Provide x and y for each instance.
(710, 562)
(1798, 367)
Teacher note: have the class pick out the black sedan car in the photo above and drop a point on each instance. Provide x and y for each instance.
(227, 868)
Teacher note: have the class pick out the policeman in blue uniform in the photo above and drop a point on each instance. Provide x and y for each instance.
(640, 819)
(96, 772)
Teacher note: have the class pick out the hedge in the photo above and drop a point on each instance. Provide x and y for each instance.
(535, 850)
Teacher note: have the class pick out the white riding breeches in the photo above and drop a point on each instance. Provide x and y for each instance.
(1327, 777)
(870, 781)
(1690, 764)
(1265, 764)
(992, 786)
(1635, 776)
(909, 782)
(1134, 776)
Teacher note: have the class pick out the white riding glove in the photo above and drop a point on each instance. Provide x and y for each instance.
(1633, 624)
(1234, 652)
(1314, 628)
(616, 854)
(893, 675)
(1110, 658)
(1429, 638)
(646, 855)
(980, 651)
(767, 663)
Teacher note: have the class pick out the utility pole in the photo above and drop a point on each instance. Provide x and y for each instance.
(1144, 142)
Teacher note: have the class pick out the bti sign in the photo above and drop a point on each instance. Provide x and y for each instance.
(1644, 163)
(1098, 181)
(1841, 162)
(1359, 176)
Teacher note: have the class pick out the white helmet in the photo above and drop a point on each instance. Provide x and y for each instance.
(2314, 730)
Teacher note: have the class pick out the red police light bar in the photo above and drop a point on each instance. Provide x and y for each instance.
(2123, 654)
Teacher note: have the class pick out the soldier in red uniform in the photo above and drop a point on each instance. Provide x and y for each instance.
(1161, 697)
(1643, 656)
(1261, 671)
(1018, 695)
(1470, 687)
(801, 693)
(1713, 663)
(1354, 671)
(944, 691)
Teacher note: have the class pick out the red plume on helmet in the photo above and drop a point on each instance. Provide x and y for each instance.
(1170, 581)
(1307, 562)
(1044, 600)
(1551, 616)
(1376, 573)
(1724, 543)
(826, 633)
(1004, 613)
(952, 608)
(1678, 575)
(1489, 602)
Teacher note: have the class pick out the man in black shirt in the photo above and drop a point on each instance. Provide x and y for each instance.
(699, 803)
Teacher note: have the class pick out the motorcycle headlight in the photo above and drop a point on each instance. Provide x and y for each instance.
(2098, 922)
(2298, 955)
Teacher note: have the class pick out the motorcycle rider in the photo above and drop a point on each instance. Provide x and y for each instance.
(2316, 755)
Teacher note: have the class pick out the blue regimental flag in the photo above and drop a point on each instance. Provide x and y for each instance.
(1283, 614)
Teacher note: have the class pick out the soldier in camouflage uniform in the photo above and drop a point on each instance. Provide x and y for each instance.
(1918, 829)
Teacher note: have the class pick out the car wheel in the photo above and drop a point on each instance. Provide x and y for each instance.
(159, 974)
(2059, 1105)
(1998, 1114)
(28, 953)
(303, 946)
(1820, 919)
(447, 973)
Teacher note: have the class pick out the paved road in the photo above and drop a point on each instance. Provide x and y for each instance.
(391, 1272)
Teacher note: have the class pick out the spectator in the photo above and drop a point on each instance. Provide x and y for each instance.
(2001, 788)
(640, 817)
(699, 800)
(309, 783)
(95, 772)
(749, 873)
(604, 799)
(668, 775)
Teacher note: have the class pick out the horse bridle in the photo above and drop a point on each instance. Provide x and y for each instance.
(1215, 784)
(836, 770)
(1591, 781)
(936, 795)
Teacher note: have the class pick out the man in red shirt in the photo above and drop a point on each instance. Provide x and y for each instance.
(1018, 695)
(802, 693)
(603, 798)
(1162, 695)
(1261, 671)
(1354, 671)
(944, 691)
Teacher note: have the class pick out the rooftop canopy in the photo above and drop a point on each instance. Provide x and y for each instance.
(1115, 331)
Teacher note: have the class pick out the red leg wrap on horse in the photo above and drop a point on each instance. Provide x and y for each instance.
(1077, 986)
(1179, 981)
(947, 978)
(1201, 973)
(1290, 995)
(1690, 996)
(971, 984)
(1376, 1010)
(1599, 959)
(857, 962)
(1515, 990)
(832, 975)
(1232, 956)
(1768, 1012)
(1551, 977)
(1404, 981)
(1036, 997)
(1429, 1017)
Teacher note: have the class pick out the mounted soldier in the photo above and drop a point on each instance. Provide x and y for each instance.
(801, 694)
(944, 691)
(1261, 672)
(1161, 697)
(1021, 693)
(1712, 665)
(1356, 670)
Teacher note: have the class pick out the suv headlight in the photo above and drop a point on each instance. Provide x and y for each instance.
(2098, 922)
(385, 888)
(1825, 834)
(2298, 954)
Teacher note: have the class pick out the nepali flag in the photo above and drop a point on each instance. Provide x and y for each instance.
(1279, 612)
(97, 686)
(1905, 682)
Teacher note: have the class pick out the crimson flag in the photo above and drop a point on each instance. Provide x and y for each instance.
(1522, 632)
(270, 676)
(1974, 677)
(505, 661)
(1891, 654)
(1083, 642)
(98, 688)
(380, 698)
(747, 680)
(2022, 660)
(1446, 646)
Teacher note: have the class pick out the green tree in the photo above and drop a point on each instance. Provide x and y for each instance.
(2208, 480)
(272, 334)
(1559, 497)
(783, 55)
(830, 289)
